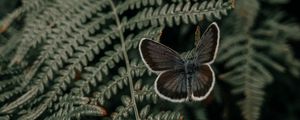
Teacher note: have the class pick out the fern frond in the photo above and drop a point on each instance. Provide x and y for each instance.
(67, 10)
(6, 117)
(11, 44)
(6, 89)
(145, 92)
(36, 112)
(67, 49)
(36, 29)
(135, 4)
(66, 76)
(73, 106)
(250, 73)
(282, 33)
(108, 61)
(10, 93)
(145, 111)
(10, 82)
(269, 62)
(250, 55)
(119, 81)
(254, 98)
(11, 71)
(59, 11)
(69, 100)
(165, 115)
(31, 5)
(174, 14)
(6, 83)
(19, 102)
(96, 73)
(112, 86)
(28, 6)
(69, 73)
(81, 57)
(84, 110)
(123, 111)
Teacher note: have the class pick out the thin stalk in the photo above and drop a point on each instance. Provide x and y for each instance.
(126, 60)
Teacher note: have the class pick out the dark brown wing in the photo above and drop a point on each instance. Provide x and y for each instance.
(172, 85)
(207, 47)
(159, 57)
(203, 82)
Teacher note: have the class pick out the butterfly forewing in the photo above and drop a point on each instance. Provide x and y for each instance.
(203, 82)
(171, 85)
(159, 57)
(206, 49)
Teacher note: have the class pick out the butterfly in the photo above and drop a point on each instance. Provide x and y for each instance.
(182, 79)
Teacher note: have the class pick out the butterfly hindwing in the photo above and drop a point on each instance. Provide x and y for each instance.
(159, 57)
(171, 85)
(207, 47)
(203, 82)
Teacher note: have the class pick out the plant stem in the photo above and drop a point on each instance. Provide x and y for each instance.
(126, 60)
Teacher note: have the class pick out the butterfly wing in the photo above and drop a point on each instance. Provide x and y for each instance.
(203, 82)
(207, 47)
(159, 57)
(171, 85)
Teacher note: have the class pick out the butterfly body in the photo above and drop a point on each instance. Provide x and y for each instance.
(181, 79)
(189, 72)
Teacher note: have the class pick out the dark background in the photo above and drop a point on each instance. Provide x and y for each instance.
(282, 99)
(292, 9)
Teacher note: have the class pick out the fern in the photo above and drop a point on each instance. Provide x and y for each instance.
(67, 36)
(73, 106)
(163, 115)
(249, 53)
(172, 14)
(78, 59)
(252, 72)
(145, 92)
